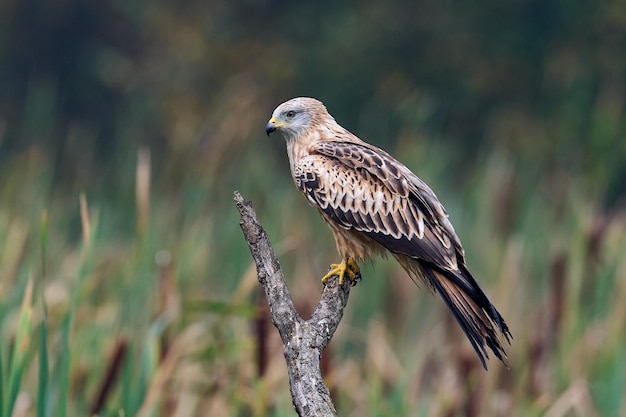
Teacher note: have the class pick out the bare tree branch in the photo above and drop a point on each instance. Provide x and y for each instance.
(303, 340)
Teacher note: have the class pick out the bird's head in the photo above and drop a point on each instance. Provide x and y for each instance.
(296, 116)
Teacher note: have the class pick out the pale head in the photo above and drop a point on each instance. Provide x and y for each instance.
(295, 117)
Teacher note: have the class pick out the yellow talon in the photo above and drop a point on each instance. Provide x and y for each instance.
(347, 267)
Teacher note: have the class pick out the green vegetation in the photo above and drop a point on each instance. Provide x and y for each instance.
(127, 289)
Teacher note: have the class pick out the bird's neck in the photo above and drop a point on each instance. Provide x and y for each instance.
(299, 147)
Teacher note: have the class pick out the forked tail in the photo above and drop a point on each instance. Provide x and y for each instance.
(471, 308)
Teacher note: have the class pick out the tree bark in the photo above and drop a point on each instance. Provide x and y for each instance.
(303, 340)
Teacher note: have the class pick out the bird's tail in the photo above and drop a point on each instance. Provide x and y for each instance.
(468, 303)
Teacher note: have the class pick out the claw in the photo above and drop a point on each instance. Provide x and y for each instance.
(348, 267)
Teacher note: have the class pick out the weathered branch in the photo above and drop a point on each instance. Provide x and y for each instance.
(303, 340)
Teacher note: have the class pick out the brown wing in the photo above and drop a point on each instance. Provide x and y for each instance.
(364, 189)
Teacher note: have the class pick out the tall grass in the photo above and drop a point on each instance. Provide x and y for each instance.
(147, 303)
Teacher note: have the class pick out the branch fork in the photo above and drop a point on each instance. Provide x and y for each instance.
(303, 340)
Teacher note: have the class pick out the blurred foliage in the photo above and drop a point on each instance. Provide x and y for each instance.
(513, 112)
(87, 82)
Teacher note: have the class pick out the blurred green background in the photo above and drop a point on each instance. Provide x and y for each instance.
(143, 300)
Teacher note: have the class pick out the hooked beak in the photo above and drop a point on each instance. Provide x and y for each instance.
(273, 125)
(270, 127)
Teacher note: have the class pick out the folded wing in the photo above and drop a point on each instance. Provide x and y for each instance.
(363, 189)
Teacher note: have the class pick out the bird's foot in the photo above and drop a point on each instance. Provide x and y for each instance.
(348, 267)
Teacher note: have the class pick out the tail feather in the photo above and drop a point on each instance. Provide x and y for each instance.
(475, 315)
(471, 308)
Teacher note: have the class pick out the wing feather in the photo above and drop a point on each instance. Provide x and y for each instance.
(405, 215)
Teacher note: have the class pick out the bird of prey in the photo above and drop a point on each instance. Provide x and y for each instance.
(374, 204)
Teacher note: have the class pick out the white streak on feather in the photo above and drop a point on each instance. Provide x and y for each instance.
(379, 203)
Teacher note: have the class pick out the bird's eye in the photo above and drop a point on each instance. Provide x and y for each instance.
(290, 114)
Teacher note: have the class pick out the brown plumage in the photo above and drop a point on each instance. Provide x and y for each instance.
(373, 204)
